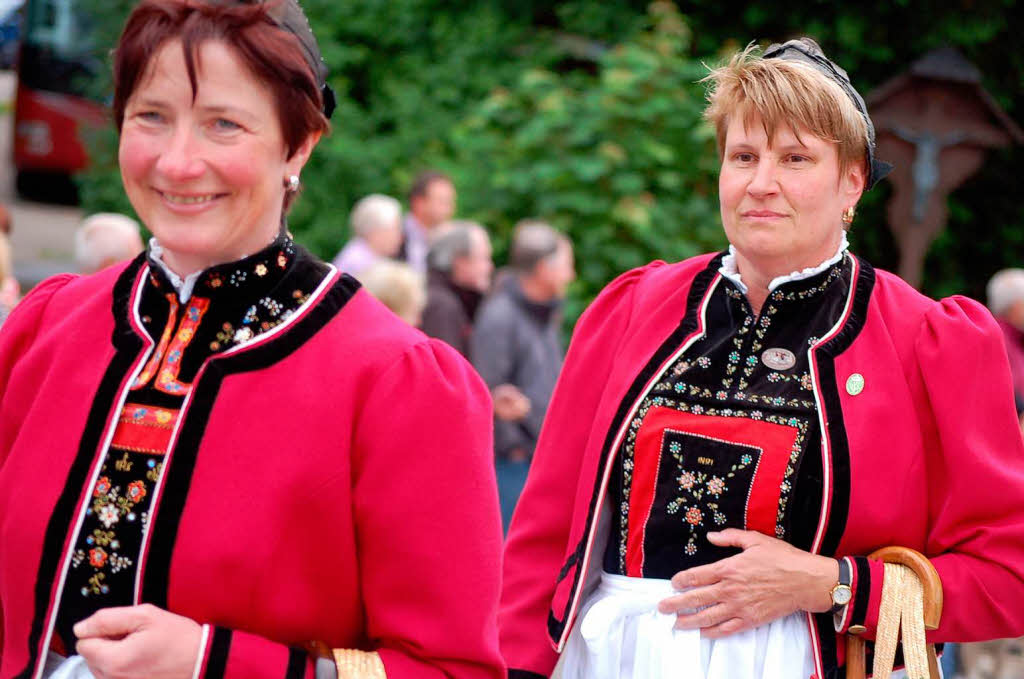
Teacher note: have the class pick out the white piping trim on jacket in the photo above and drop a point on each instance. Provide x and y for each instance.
(183, 413)
(697, 334)
(113, 417)
(201, 654)
(826, 455)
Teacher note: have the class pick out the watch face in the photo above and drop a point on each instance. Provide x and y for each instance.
(842, 595)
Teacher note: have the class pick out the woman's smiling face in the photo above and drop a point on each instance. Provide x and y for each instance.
(205, 171)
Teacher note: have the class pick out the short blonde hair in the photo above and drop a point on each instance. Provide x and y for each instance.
(782, 92)
(398, 286)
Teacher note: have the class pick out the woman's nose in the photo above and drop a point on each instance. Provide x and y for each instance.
(764, 180)
(180, 160)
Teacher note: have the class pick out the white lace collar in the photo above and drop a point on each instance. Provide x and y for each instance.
(183, 286)
(729, 270)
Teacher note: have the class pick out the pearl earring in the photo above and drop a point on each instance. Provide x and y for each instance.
(848, 215)
(292, 183)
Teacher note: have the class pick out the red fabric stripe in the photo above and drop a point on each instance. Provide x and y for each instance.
(144, 429)
(774, 440)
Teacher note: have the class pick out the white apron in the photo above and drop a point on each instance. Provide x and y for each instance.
(620, 634)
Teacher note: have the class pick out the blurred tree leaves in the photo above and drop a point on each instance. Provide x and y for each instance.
(588, 114)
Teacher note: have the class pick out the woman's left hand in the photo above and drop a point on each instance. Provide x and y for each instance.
(769, 580)
(138, 642)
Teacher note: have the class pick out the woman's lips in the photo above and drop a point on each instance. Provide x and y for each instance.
(762, 214)
(188, 201)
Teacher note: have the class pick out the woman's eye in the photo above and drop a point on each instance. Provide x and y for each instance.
(797, 159)
(744, 157)
(225, 125)
(149, 116)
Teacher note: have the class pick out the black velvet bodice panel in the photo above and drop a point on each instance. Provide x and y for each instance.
(728, 435)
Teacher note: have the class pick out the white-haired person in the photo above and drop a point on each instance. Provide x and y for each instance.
(399, 287)
(106, 238)
(1005, 293)
(734, 434)
(376, 223)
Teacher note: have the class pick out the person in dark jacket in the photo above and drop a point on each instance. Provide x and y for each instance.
(459, 274)
(517, 348)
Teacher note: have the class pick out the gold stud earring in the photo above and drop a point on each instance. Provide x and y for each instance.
(848, 215)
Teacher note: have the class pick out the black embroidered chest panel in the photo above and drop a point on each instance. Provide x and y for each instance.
(230, 304)
(728, 437)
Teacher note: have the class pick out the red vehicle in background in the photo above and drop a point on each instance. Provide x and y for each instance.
(56, 67)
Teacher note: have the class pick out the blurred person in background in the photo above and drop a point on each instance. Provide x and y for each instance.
(431, 204)
(8, 285)
(376, 223)
(241, 465)
(104, 239)
(517, 348)
(399, 288)
(459, 276)
(1005, 292)
(733, 434)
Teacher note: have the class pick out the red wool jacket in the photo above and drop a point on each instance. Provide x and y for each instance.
(330, 481)
(928, 455)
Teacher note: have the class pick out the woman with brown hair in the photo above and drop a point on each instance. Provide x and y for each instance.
(225, 459)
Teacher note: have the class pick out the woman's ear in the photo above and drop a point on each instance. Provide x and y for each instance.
(853, 181)
(298, 159)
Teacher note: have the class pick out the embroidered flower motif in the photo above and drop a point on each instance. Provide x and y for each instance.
(774, 377)
(215, 281)
(675, 447)
(704, 362)
(272, 305)
(687, 480)
(282, 261)
(719, 518)
(194, 313)
(163, 416)
(716, 485)
(261, 269)
(250, 314)
(690, 549)
(751, 361)
(109, 515)
(806, 382)
(243, 335)
(174, 357)
(694, 516)
(102, 487)
(97, 557)
(721, 394)
(746, 458)
(697, 410)
(734, 357)
(136, 491)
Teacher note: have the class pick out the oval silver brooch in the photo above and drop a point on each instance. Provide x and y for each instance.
(778, 358)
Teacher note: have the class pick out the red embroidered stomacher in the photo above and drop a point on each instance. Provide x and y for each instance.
(716, 472)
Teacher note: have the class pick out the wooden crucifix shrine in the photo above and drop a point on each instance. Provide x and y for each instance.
(934, 123)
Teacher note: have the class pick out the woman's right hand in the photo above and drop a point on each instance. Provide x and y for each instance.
(139, 642)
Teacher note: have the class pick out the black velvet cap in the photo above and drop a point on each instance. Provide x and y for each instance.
(810, 53)
(289, 15)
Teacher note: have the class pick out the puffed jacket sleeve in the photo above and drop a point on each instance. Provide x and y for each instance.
(538, 534)
(975, 475)
(428, 531)
(16, 336)
(427, 517)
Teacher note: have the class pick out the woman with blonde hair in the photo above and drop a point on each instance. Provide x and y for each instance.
(733, 434)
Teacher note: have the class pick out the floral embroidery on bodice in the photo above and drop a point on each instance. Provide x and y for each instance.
(230, 304)
(720, 440)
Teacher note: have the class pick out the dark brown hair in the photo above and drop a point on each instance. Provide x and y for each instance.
(421, 184)
(273, 54)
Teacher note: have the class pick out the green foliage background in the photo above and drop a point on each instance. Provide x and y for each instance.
(588, 114)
